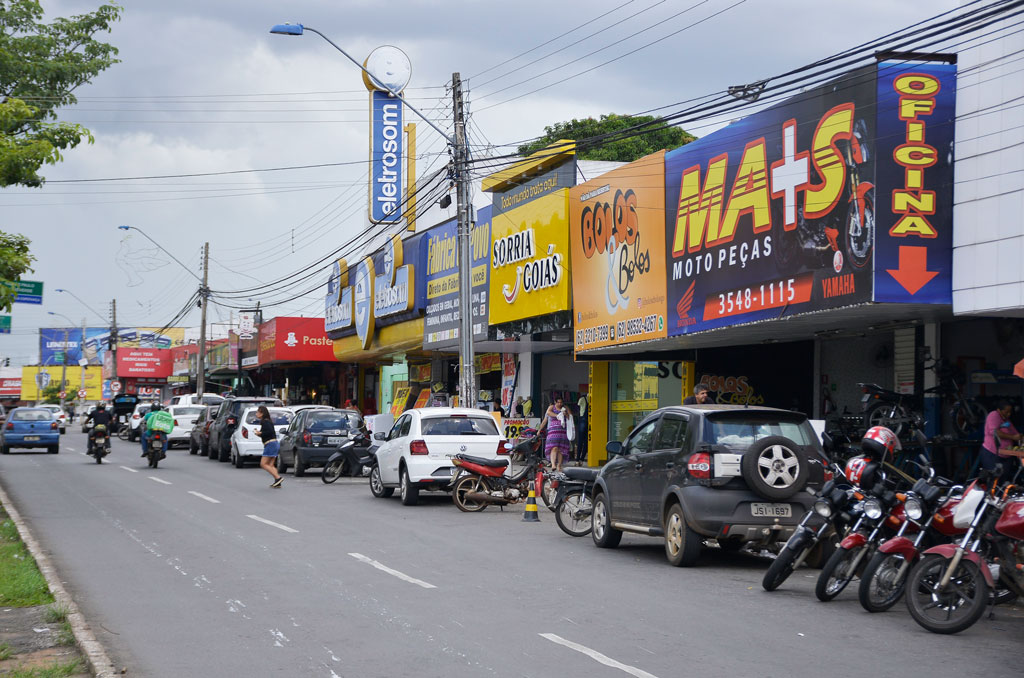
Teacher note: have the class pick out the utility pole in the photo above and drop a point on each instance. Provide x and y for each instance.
(204, 296)
(467, 377)
(64, 371)
(112, 342)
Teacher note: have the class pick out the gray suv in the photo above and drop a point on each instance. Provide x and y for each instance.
(689, 474)
(227, 421)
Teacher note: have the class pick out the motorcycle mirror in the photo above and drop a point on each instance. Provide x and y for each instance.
(827, 443)
(614, 447)
(379, 436)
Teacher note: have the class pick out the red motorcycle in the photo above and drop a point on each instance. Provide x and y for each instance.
(480, 482)
(951, 585)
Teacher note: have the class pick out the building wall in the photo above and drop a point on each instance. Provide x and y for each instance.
(988, 192)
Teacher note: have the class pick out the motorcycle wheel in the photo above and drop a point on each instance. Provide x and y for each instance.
(837, 573)
(859, 238)
(956, 608)
(574, 514)
(465, 485)
(781, 567)
(885, 414)
(98, 455)
(124, 432)
(377, 488)
(879, 587)
(968, 417)
(332, 471)
(548, 492)
(786, 244)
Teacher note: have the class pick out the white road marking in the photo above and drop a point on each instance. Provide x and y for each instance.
(272, 523)
(597, 656)
(133, 470)
(393, 573)
(159, 480)
(203, 496)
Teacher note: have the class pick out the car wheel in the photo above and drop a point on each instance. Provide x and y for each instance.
(5, 450)
(410, 493)
(682, 545)
(300, 467)
(192, 447)
(775, 468)
(377, 488)
(53, 449)
(605, 536)
(282, 467)
(238, 459)
(225, 452)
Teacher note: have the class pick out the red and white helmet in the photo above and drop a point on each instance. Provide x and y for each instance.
(880, 443)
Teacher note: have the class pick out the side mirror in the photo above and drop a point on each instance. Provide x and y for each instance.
(380, 436)
(613, 448)
(827, 443)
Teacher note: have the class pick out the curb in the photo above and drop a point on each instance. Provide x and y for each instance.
(95, 655)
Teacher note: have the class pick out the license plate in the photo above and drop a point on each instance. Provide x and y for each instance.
(27, 438)
(771, 510)
(334, 440)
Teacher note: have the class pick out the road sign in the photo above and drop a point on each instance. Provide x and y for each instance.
(28, 291)
(5, 324)
(82, 393)
(62, 395)
(115, 387)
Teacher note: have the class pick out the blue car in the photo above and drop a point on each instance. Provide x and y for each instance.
(30, 427)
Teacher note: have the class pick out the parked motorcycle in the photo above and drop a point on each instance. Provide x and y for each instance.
(354, 454)
(100, 442)
(155, 442)
(479, 482)
(574, 512)
(950, 586)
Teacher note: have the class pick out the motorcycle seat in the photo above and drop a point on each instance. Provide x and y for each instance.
(581, 473)
(481, 461)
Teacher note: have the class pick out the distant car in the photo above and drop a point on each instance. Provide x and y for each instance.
(184, 419)
(136, 420)
(414, 454)
(299, 408)
(194, 400)
(199, 439)
(246, 444)
(60, 415)
(228, 416)
(31, 427)
(314, 435)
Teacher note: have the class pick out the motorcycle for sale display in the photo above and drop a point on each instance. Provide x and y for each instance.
(574, 512)
(950, 586)
(155, 447)
(480, 482)
(353, 456)
(100, 442)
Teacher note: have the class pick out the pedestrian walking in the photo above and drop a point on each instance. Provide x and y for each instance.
(1000, 435)
(556, 447)
(268, 434)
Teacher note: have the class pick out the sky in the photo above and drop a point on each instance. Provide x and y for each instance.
(203, 87)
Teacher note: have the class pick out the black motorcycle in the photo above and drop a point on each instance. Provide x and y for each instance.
(100, 440)
(574, 512)
(352, 456)
(155, 447)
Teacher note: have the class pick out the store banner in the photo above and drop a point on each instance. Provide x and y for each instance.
(617, 227)
(420, 373)
(441, 320)
(487, 362)
(508, 379)
(144, 362)
(35, 379)
(293, 339)
(97, 339)
(914, 240)
(774, 215)
(10, 387)
(530, 247)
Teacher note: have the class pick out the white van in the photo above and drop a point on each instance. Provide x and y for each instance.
(192, 399)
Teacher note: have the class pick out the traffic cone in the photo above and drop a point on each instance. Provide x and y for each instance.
(530, 511)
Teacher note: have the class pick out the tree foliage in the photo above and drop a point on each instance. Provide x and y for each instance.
(659, 136)
(41, 65)
(15, 260)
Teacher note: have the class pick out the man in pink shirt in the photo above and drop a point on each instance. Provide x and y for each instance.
(1000, 435)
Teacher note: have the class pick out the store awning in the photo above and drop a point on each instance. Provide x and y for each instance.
(398, 338)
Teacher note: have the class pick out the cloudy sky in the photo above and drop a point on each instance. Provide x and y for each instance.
(203, 87)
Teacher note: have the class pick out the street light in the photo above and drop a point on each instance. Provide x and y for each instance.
(460, 153)
(81, 302)
(64, 358)
(204, 294)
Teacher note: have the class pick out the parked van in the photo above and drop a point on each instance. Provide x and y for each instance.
(192, 399)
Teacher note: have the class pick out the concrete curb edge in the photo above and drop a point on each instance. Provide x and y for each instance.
(93, 650)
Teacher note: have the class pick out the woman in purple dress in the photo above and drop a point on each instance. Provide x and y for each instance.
(557, 445)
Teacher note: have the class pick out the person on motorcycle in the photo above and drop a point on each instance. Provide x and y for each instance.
(97, 417)
(145, 426)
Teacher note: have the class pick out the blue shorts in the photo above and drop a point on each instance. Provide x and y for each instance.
(271, 448)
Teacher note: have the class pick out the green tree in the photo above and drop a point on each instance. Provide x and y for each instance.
(41, 65)
(51, 394)
(627, 149)
(14, 261)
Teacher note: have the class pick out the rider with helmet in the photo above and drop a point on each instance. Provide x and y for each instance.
(144, 427)
(98, 417)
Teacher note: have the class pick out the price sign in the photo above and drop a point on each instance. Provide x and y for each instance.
(513, 428)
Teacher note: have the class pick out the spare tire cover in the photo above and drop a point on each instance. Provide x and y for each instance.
(775, 467)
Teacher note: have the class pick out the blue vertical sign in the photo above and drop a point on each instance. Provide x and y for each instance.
(387, 145)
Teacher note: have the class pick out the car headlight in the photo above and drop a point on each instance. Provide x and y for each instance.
(913, 508)
(823, 508)
(873, 508)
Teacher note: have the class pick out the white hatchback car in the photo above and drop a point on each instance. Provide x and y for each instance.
(245, 440)
(184, 419)
(59, 414)
(414, 455)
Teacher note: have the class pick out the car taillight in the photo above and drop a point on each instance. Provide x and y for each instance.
(245, 432)
(699, 465)
(828, 474)
(501, 447)
(10, 426)
(418, 447)
(175, 422)
(135, 416)
(306, 438)
(53, 425)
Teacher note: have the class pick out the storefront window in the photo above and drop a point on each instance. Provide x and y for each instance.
(636, 390)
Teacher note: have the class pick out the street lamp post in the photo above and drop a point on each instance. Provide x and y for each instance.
(460, 154)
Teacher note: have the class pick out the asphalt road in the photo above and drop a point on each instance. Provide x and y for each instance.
(200, 569)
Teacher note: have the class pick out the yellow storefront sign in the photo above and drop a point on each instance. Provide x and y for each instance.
(34, 380)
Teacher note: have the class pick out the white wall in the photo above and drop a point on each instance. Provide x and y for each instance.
(988, 211)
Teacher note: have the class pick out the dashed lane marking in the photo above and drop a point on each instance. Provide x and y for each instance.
(597, 656)
(133, 470)
(271, 523)
(159, 480)
(392, 572)
(204, 497)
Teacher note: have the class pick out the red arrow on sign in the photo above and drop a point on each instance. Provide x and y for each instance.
(913, 273)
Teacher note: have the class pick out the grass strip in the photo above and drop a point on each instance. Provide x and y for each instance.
(21, 582)
(58, 670)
